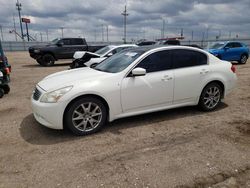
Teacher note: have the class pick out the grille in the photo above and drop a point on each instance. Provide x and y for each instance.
(36, 94)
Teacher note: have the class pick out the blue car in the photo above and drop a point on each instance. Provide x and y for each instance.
(230, 51)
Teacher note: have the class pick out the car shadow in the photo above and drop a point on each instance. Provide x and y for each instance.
(34, 133)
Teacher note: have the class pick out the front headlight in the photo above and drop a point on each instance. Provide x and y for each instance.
(54, 96)
(36, 51)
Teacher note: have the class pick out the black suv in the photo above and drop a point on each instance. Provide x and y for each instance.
(60, 48)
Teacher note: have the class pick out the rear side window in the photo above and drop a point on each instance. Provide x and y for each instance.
(237, 45)
(188, 58)
(157, 61)
(77, 41)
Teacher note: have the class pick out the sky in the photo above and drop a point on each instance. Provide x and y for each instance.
(101, 20)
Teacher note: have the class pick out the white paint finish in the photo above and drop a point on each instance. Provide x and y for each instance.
(149, 90)
(128, 96)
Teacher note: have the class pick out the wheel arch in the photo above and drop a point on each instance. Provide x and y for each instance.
(86, 95)
(51, 53)
(220, 83)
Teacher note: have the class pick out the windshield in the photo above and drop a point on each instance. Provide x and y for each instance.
(103, 50)
(218, 45)
(119, 61)
(55, 41)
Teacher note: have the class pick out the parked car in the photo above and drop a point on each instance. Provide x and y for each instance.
(60, 48)
(5, 70)
(230, 51)
(136, 81)
(84, 58)
(145, 43)
(169, 42)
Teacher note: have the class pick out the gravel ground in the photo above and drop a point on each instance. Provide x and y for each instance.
(175, 148)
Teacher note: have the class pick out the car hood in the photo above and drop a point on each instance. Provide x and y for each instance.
(71, 77)
(80, 54)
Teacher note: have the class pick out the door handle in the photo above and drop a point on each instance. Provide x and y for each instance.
(167, 78)
(204, 71)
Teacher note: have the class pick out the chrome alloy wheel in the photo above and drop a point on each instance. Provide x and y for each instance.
(212, 97)
(243, 59)
(87, 116)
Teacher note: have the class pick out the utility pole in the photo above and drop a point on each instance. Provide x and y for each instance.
(181, 32)
(47, 34)
(107, 33)
(41, 35)
(19, 8)
(1, 29)
(163, 28)
(102, 34)
(62, 31)
(14, 22)
(95, 35)
(125, 14)
(192, 35)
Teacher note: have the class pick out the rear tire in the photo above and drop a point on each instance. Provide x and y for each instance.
(77, 63)
(1, 92)
(210, 97)
(243, 59)
(6, 89)
(85, 116)
(47, 60)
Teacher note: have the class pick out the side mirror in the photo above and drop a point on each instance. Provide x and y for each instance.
(138, 72)
(109, 54)
(60, 43)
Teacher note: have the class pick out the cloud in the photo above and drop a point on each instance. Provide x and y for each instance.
(90, 18)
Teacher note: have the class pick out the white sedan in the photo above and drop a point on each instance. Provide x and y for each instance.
(84, 58)
(136, 81)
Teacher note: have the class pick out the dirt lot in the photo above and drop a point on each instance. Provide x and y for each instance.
(175, 148)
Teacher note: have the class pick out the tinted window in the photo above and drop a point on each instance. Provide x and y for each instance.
(237, 45)
(157, 61)
(77, 41)
(230, 45)
(66, 41)
(188, 58)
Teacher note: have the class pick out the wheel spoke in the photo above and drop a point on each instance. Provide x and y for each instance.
(78, 118)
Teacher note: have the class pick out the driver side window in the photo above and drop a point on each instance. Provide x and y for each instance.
(229, 45)
(158, 61)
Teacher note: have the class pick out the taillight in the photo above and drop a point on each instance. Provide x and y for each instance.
(7, 70)
(233, 68)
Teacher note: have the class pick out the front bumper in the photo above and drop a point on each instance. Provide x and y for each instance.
(48, 114)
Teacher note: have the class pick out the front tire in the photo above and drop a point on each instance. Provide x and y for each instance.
(85, 116)
(243, 59)
(47, 60)
(210, 97)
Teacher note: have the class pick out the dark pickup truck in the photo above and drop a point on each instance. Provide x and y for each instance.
(61, 48)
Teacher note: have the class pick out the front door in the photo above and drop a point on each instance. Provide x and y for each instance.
(153, 90)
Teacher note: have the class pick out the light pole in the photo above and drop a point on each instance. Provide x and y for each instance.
(14, 22)
(163, 28)
(62, 31)
(125, 14)
(19, 8)
(1, 29)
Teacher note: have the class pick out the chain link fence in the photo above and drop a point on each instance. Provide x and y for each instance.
(24, 45)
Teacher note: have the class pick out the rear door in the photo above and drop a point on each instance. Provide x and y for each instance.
(190, 72)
